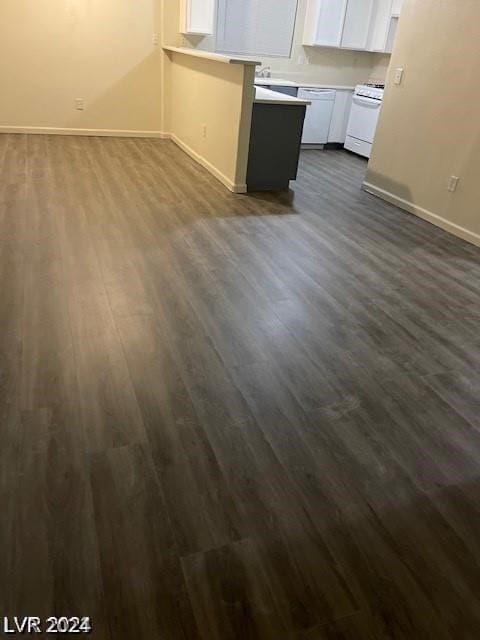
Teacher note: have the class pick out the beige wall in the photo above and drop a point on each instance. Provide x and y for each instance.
(171, 22)
(429, 127)
(210, 114)
(53, 51)
(170, 36)
(379, 68)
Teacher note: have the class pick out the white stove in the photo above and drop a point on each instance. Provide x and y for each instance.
(366, 105)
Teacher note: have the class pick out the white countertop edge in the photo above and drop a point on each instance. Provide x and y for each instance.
(266, 96)
(307, 85)
(208, 55)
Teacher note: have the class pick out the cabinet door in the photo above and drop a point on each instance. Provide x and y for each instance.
(340, 115)
(317, 122)
(381, 25)
(329, 22)
(392, 34)
(397, 7)
(358, 19)
(197, 16)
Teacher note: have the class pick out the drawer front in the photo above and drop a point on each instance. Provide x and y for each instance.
(358, 146)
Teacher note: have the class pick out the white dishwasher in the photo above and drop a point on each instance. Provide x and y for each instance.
(318, 116)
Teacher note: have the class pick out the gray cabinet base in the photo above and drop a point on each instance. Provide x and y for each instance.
(275, 140)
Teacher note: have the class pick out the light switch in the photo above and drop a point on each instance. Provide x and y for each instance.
(398, 75)
(453, 183)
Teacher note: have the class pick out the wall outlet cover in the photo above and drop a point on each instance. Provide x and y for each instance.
(453, 183)
(398, 75)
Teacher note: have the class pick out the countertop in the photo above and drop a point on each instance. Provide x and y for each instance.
(208, 55)
(307, 85)
(265, 96)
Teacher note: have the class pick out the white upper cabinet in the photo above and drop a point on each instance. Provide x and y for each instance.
(338, 23)
(381, 26)
(397, 7)
(351, 24)
(324, 22)
(384, 26)
(197, 17)
(356, 28)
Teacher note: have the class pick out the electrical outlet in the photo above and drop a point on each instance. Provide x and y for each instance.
(453, 183)
(398, 76)
(204, 130)
(155, 39)
(79, 104)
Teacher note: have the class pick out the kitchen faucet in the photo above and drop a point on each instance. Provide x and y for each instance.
(264, 73)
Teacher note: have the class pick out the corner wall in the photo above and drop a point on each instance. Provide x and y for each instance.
(429, 127)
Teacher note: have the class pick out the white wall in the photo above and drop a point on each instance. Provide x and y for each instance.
(53, 51)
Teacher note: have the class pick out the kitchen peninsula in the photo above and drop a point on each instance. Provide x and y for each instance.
(247, 136)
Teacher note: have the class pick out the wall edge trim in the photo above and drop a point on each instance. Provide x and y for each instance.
(61, 131)
(425, 214)
(231, 186)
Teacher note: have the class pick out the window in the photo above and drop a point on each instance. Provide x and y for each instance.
(256, 27)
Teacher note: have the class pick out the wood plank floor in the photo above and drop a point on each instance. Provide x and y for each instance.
(233, 417)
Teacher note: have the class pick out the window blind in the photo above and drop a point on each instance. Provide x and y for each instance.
(256, 27)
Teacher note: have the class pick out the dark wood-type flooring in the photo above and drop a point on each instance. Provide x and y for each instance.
(233, 417)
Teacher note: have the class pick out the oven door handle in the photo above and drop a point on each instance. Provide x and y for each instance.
(367, 102)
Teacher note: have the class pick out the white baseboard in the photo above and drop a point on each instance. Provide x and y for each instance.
(114, 133)
(425, 214)
(235, 188)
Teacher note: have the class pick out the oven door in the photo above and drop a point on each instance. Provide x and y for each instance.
(364, 118)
